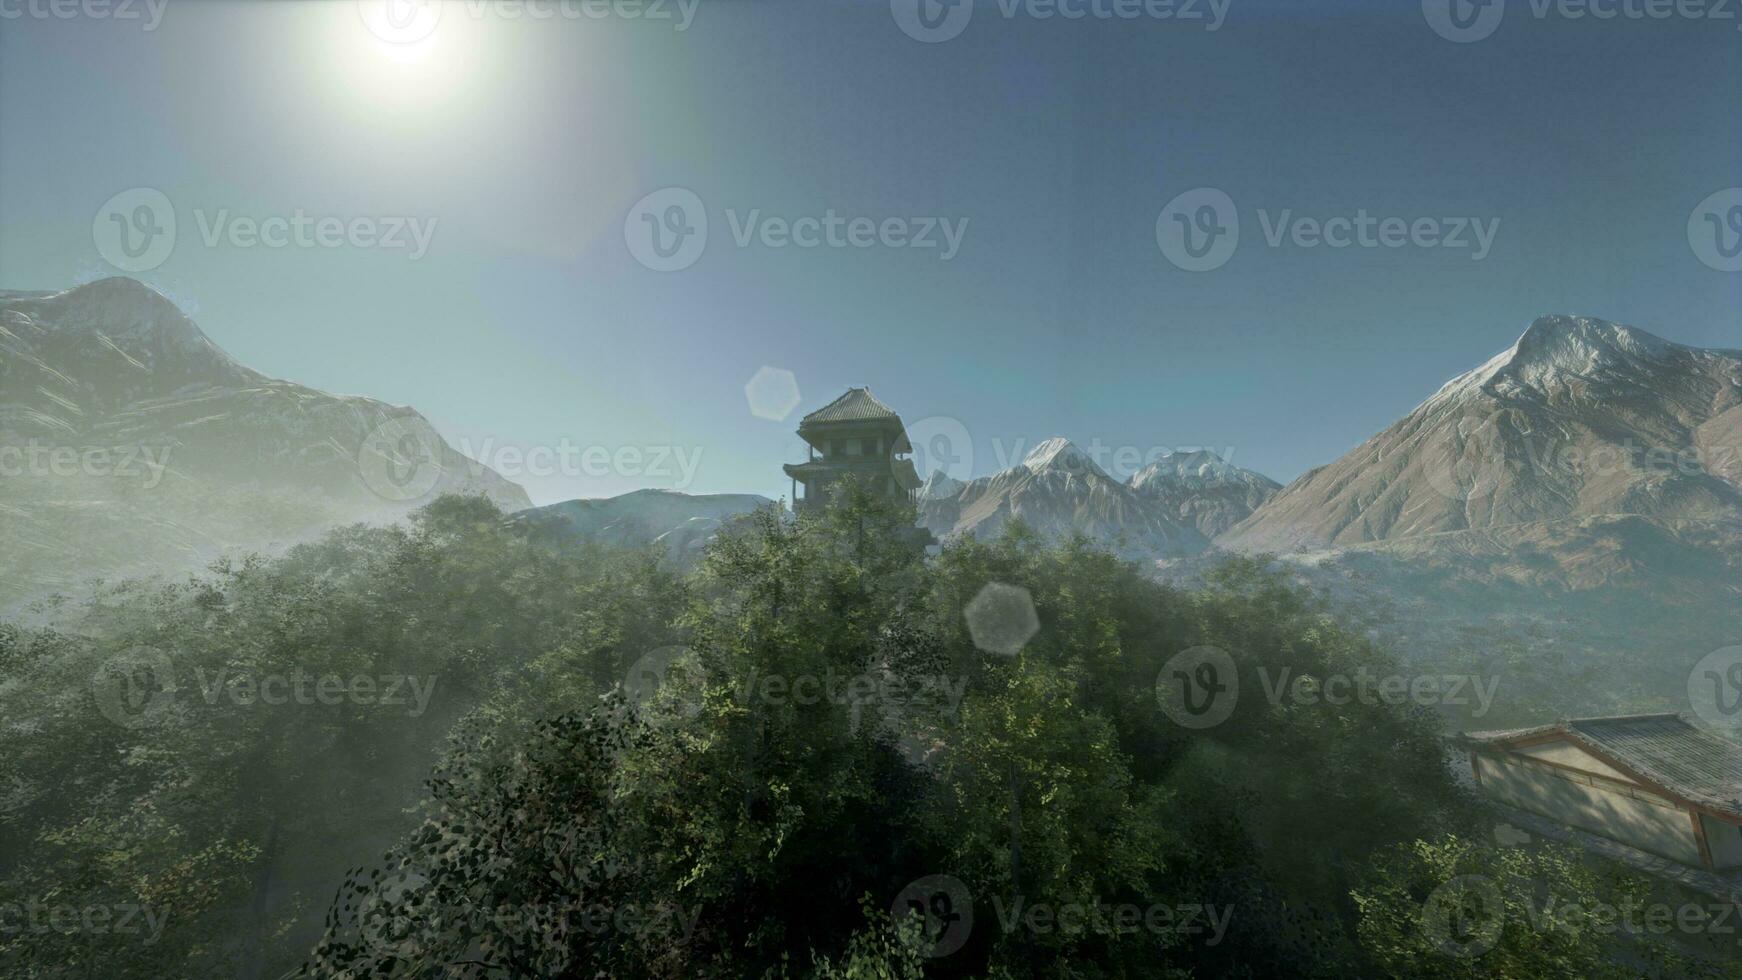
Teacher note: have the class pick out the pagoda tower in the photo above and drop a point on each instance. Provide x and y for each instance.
(854, 434)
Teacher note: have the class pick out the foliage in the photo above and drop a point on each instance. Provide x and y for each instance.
(1450, 908)
(824, 733)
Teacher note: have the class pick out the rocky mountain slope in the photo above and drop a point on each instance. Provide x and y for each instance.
(1579, 418)
(1204, 490)
(130, 442)
(1056, 490)
(1565, 519)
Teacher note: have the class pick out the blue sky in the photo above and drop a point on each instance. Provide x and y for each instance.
(528, 143)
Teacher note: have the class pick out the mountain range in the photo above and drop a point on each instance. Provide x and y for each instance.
(680, 524)
(1574, 503)
(1171, 508)
(129, 441)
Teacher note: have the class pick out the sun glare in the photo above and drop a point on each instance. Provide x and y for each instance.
(400, 57)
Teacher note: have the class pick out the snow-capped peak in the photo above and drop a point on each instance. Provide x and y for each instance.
(1557, 347)
(1199, 469)
(1059, 453)
(939, 486)
(1569, 345)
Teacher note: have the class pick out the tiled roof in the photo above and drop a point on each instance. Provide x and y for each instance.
(1664, 749)
(857, 405)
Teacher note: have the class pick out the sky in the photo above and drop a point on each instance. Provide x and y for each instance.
(1538, 163)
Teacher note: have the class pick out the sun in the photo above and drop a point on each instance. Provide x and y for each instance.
(406, 58)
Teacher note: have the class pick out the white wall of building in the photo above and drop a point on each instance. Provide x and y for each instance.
(1724, 840)
(1637, 818)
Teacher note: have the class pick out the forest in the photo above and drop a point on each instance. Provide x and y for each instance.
(453, 748)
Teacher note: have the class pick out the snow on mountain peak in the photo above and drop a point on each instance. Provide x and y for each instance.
(1582, 345)
(940, 486)
(1059, 453)
(1558, 347)
(1196, 469)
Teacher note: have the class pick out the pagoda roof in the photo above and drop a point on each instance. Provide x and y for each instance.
(857, 405)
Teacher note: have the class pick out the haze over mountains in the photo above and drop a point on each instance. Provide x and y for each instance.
(131, 442)
(681, 524)
(1580, 493)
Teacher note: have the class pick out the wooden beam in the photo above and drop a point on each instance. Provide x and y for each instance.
(1700, 839)
(1540, 738)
